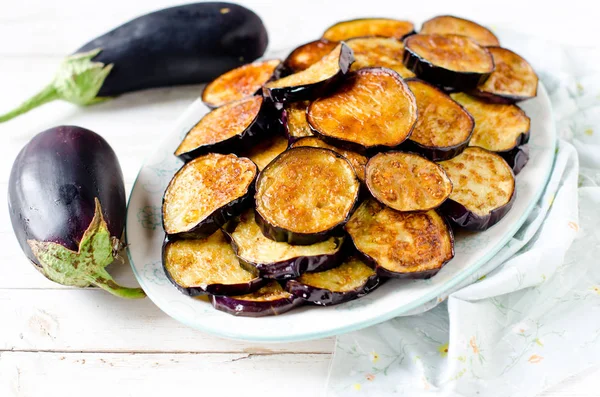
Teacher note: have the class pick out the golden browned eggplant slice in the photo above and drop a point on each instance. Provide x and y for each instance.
(448, 60)
(205, 193)
(407, 181)
(239, 83)
(483, 188)
(305, 195)
(373, 109)
(401, 244)
(447, 24)
(382, 27)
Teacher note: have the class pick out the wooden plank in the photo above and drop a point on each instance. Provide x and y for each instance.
(101, 375)
(92, 320)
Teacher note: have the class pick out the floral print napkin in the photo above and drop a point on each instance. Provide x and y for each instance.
(533, 319)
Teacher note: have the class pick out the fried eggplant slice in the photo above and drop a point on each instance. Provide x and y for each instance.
(270, 300)
(447, 24)
(226, 129)
(308, 54)
(205, 193)
(448, 60)
(358, 161)
(378, 51)
(407, 181)
(382, 27)
(207, 266)
(443, 128)
(351, 280)
(373, 109)
(239, 83)
(311, 83)
(294, 121)
(500, 128)
(305, 195)
(401, 244)
(265, 151)
(279, 260)
(483, 189)
(512, 81)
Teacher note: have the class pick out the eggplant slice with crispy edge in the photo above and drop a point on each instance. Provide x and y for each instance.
(448, 24)
(500, 128)
(239, 83)
(266, 150)
(352, 115)
(226, 129)
(314, 81)
(448, 60)
(279, 260)
(308, 54)
(378, 52)
(293, 119)
(512, 81)
(407, 181)
(382, 27)
(351, 280)
(443, 128)
(483, 189)
(207, 266)
(358, 161)
(205, 193)
(270, 300)
(401, 244)
(305, 195)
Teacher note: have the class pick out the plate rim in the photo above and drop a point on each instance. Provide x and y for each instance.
(435, 292)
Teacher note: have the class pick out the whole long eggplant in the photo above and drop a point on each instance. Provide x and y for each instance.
(66, 200)
(187, 44)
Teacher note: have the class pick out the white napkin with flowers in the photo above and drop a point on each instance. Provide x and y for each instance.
(534, 319)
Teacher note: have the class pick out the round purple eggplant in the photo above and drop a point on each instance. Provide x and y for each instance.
(66, 200)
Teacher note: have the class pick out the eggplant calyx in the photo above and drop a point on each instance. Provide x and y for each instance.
(86, 266)
(77, 80)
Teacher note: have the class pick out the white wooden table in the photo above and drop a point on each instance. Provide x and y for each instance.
(62, 341)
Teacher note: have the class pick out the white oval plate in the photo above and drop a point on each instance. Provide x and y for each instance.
(144, 236)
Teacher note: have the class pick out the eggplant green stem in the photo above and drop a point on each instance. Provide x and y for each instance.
(77, 80)
(103, 280)
(86, 266)
(46, 95)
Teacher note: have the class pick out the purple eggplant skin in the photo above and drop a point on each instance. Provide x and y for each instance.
(494, 98)
(245, 308)
(324, 297)
(425, 70)
(218, 218)
(212, 289)
(53, 185)
(312, 90)
(277, 233)
(288, 268)
(187, 44)
(461, 216)
(516, 158)
(435, 153)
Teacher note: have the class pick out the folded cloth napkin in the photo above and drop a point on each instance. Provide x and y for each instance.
(533, 319)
